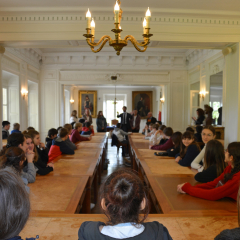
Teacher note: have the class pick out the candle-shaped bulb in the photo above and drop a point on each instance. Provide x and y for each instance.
(144, 23)
(92, 24)
(88, 15)
(116, 8)
(148, 13)
(120, 27)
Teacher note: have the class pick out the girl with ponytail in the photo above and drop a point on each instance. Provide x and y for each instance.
(226, 185)
(123, 199)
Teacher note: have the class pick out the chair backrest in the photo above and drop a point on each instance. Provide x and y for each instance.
(114, 140)
(114, 122)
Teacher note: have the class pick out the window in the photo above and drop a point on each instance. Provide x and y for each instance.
(215, 106)
(5, 108)
(110, 110)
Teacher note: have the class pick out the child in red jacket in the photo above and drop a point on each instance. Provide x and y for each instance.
(87, 129)
(60, 146)
(226, 185)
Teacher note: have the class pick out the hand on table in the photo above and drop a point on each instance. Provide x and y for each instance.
(179, 188)
(178, 159)
(50, 165)
(150, 146)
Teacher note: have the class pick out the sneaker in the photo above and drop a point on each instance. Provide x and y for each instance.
(127, 164)
(92, 205)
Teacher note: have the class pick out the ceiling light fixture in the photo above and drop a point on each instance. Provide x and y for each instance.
(117, 43)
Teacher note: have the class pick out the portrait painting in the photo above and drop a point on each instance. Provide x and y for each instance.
(87, 100)
(142, 102)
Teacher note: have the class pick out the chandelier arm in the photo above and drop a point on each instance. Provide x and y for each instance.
(132, 39)
(92, 44)
(100, 48)
(139, 49)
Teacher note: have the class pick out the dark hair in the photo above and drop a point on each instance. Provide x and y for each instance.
(15, 204)
(124, 192)
(33, 133)
(74, 113)
(211, 128)
(214, 154)
(118, 125)
(12, 158)
(99, 116)
(159, 122)
(30, 128)
(188, 135)
(16, 126)
(63, 133)
(190, 129)
(5, 123)
(59, 128)
(150, 124)
(82, 120)
(124, 107)
(177, 139)
(52, 132)
(14, 140)
(199, 129)
(200, 111)
(162, 127)
(234, 151)
(87, 124)
(155, 126)
(168, 131)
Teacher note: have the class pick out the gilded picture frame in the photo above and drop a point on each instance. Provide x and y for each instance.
(87, 100)
(142, 101)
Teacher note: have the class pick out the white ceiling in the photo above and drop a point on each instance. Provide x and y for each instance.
(207, 5)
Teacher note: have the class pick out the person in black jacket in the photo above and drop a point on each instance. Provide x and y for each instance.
(52, 133)
(125, 123)
(151, 119)
(123, 198)
(198, 135)
(5, 129)
(199, 120)
(214, 164)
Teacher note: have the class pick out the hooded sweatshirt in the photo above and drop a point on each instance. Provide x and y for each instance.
(152, 231)
(58, 147)
(48, 142)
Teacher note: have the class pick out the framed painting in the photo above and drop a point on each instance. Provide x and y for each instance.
(87, 100)
(142, 101)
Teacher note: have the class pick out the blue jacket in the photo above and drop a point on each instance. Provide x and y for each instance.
(64, 148)
(15, 131)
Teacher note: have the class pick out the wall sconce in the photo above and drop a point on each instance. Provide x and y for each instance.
(71, 101)
(162, 100)
(24, 93)
(203, 94)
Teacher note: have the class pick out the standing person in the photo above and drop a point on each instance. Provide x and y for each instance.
(101, 122)
(73, 118)
(151, 119)
(125, 123)
(5, 129)
(135, 121)
(199, 120)
(208, 111)
(87, 116)
(226, 185)
(123, 198)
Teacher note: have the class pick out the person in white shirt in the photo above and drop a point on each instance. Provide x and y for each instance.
(73, 118)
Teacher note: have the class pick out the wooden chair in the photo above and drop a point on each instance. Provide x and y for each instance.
(117, 143)
(114, 122)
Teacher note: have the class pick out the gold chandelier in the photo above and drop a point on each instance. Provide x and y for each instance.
(117, 43)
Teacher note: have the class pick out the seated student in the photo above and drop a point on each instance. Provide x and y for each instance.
(87, 129)
(226, 185)
(58, 129)
(153, 138)
(30, 128)
(190, 129)
(120, 134)
(146, 130)
(14, 213)
(213, 165)
(5, 129)
(189, 150)
(123, 200)
(59, 146)
(148, 133)
(198, 135)
(68, 141)
(208, 133)
(176, 139)
(13, 160)
(16, 128)
(41, 167)
(52, 133)
(75, 135)
(18, 140)
(166, 141)
(159, 133)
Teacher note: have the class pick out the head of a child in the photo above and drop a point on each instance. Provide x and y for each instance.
(68, 127)
(16, 126)
(78, 126)
(6, 125)
(177, 139)
(87, 124)
(52, 133)
(154, 128)
(30, 128)
(168, 132)
(123, 198)
(35, 136)
(189, 129)
(150, 127)
(63, 134)
(118, 125)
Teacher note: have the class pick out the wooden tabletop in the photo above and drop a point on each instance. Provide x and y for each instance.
(187, 228)
(4, 142)
(149, 153)
(90, 144)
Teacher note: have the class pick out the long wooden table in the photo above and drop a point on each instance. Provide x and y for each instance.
(163, 174)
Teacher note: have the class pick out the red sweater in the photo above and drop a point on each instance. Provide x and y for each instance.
(210, 192)
(76, 137)
(165, 146)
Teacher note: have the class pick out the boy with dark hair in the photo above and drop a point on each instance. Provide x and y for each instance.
(16, 127)
(189, 129)
(52, 133)
(5, 128)
(87, 129)
(59, 146)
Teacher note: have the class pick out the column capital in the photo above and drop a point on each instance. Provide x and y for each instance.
(2, 49)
